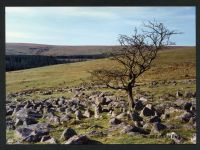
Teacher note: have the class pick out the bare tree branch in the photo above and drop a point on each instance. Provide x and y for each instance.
(134, 56)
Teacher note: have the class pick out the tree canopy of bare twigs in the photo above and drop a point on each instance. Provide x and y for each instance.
(134, 56)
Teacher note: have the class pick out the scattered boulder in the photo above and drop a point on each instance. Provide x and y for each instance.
(96, 133)
(97, 111)
(147, 111)
(179, 94)
(10, 125)
(128, 129)
(81, 139)
(154, 119)
(65, 118)
(147, 126)
(157, 127)
(87, 113)
(9, 112)
(96, 126)
(175, 137)
(114, 121)
(187, 106)
(122, 115)
(143, 99)
(138, 105)
(23, 132)
(188, 94)
(54, 120)
(165, 116)
(100, 101)
(68, 133)
(136, 117)
(48, 139)
(186, 117)
(105, 109)
(78, 115)
(33, 133)
(160, 109)
(29, 121)
(18, 122)
(194, 139)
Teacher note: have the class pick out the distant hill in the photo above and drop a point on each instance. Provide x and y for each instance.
(56, 50)
(53, 50)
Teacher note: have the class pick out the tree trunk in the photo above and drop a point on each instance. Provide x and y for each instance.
(130, 98)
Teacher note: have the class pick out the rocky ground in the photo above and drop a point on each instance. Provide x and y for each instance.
(98, 117)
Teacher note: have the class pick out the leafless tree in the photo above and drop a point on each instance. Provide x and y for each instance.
(134, 56)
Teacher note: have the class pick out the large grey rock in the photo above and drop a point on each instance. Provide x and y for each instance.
(155, 119)
(175, 137)
(97, 110)
(96, 133)
(18, 122)
(186, 117)
(189, 94)
(32, 138)
(68, 133)
(194, 139)
(48, 139)
(114, 121)
(81, 139)
(179, 94)
(9, 111)
(108, 101)
(61, 101)
(105, 108)
(10, 124)
(25, 113)
(160, 109)
(41, 126)
(147, 111)
(187, 106)
(87, 113)
(147, 126)
(62, 109)
(128, 129)
(33, 133)
(138, 105)
(158, 127)
(36, 135)
(29, 121)
(143, 99)
(25, 117)
(78, 139)
(45, 138)
(122, 115)
(23, 132)
(165, 116)
(136, 117)
(68, 110)
(65, 118)
(79, 115)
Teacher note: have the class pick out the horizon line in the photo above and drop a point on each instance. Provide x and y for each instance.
(77, 44)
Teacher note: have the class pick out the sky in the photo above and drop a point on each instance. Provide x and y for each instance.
(93, 25)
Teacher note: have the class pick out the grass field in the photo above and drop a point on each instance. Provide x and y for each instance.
(170, 65)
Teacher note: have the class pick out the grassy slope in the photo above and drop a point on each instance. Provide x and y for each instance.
(54, 50)
(169, 65)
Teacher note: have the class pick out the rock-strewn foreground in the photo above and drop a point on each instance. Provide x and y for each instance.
(97, 117)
